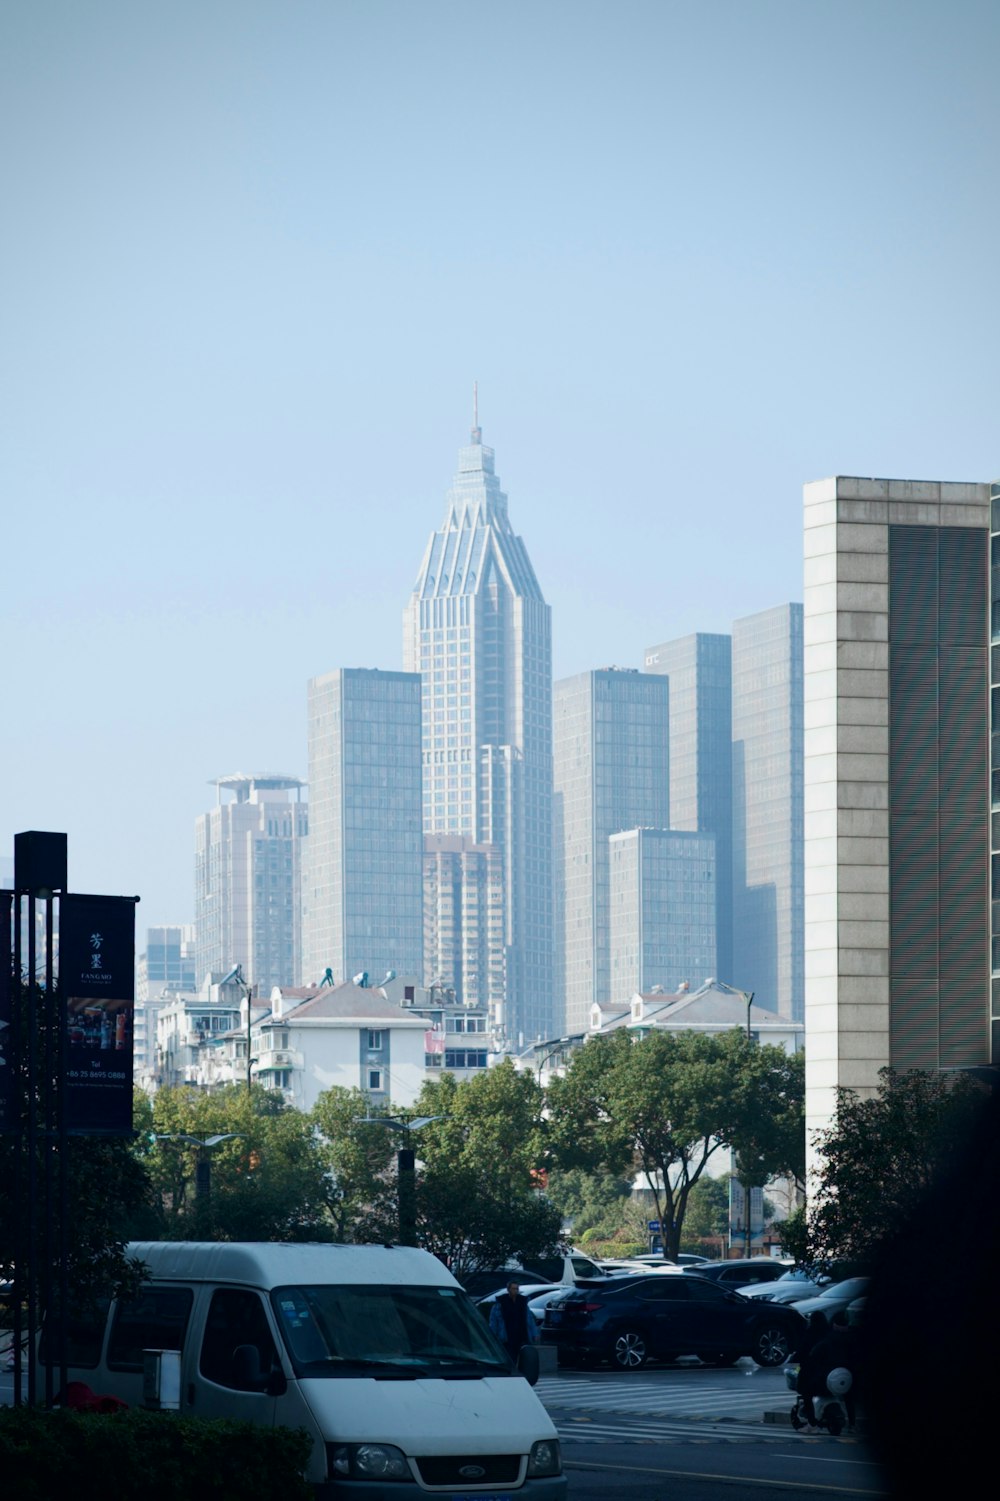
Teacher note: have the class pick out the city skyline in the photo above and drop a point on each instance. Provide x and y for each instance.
(709, 255)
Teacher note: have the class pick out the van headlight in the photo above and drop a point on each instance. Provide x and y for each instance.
(544, 1458)
(368, 1461)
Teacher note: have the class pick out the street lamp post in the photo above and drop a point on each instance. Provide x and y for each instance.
(406, 1173)
(203, 1163)
(552, 1047)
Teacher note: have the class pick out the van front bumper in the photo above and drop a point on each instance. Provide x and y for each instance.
(552, 1488)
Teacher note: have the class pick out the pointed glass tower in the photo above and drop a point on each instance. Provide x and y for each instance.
(478, 631)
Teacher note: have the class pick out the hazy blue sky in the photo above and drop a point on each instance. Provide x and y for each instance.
(255, 254)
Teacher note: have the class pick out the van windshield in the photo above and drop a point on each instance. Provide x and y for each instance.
(388, 1332)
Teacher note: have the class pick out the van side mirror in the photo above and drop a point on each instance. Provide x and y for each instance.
(527, 1363)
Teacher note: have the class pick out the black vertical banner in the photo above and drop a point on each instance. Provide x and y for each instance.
(6, 1015)
(97, 979)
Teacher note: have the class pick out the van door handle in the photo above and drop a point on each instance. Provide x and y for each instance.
(190, 1393)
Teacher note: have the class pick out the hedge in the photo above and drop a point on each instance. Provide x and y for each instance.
(147, 1456)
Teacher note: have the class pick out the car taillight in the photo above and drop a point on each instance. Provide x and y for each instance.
(592, 1307)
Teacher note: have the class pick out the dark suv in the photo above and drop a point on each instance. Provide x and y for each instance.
(629, 1320)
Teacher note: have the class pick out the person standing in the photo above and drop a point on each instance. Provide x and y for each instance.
(513, 1322)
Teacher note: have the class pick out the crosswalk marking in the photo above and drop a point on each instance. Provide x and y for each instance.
(648, 1400)
(572, 1431)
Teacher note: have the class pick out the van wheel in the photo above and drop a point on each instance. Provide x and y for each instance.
(630, 1352)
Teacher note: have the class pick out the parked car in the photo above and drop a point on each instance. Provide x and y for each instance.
(630, 1320)
(790, 1287)
(742, 1272)
(544, 1270)
(541, 1301)
(528, 1291)
(834, 1299)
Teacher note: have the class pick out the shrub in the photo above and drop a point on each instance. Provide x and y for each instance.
(146, 1456)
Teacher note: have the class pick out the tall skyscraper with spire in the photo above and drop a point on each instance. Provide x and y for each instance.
(478, 631)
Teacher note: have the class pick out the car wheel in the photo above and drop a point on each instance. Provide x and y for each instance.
(771, 1345)
(630, 1350)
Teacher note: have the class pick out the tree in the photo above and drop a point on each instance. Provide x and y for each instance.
(659, 1105)
(707, 1212)
(879, 1158)
(263, 1180)
(590, 1201)
(356, 1156)
(665, 1104)
(766, 1127)
(479, 1200)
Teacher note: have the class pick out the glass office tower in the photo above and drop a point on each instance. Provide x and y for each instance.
(362, 890)
(699, 669)
(662, 900)
(478, 632)
(768, 810)
(612, 773)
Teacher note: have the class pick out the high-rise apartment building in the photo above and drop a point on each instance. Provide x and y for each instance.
(768, 889)
(478, 632)
(362, 889)
(699, 669)
(612, 773)
(464, 951)
(898, 795)
(662, 918)
(247, 879)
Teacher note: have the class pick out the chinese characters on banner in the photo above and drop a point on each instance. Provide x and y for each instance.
(97, 977)
(6, 1015)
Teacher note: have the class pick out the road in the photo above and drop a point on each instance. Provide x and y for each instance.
(692, 1433)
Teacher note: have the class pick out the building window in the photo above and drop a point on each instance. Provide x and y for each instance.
(374, 1041)
(375, 1080)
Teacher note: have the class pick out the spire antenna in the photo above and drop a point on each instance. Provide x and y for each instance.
(477, 432)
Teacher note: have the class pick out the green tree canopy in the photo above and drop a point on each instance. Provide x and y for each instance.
(879, 1158)
(266, 1180)
(357, 1158)
(595, 1200)
(663, 1105)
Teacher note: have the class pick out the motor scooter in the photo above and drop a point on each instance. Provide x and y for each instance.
(830, 1408)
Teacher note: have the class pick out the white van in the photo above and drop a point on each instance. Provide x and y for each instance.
(375, 1350)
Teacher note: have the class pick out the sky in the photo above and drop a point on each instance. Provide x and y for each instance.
(256, 252)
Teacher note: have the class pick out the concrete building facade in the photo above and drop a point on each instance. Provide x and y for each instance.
(897, 781)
